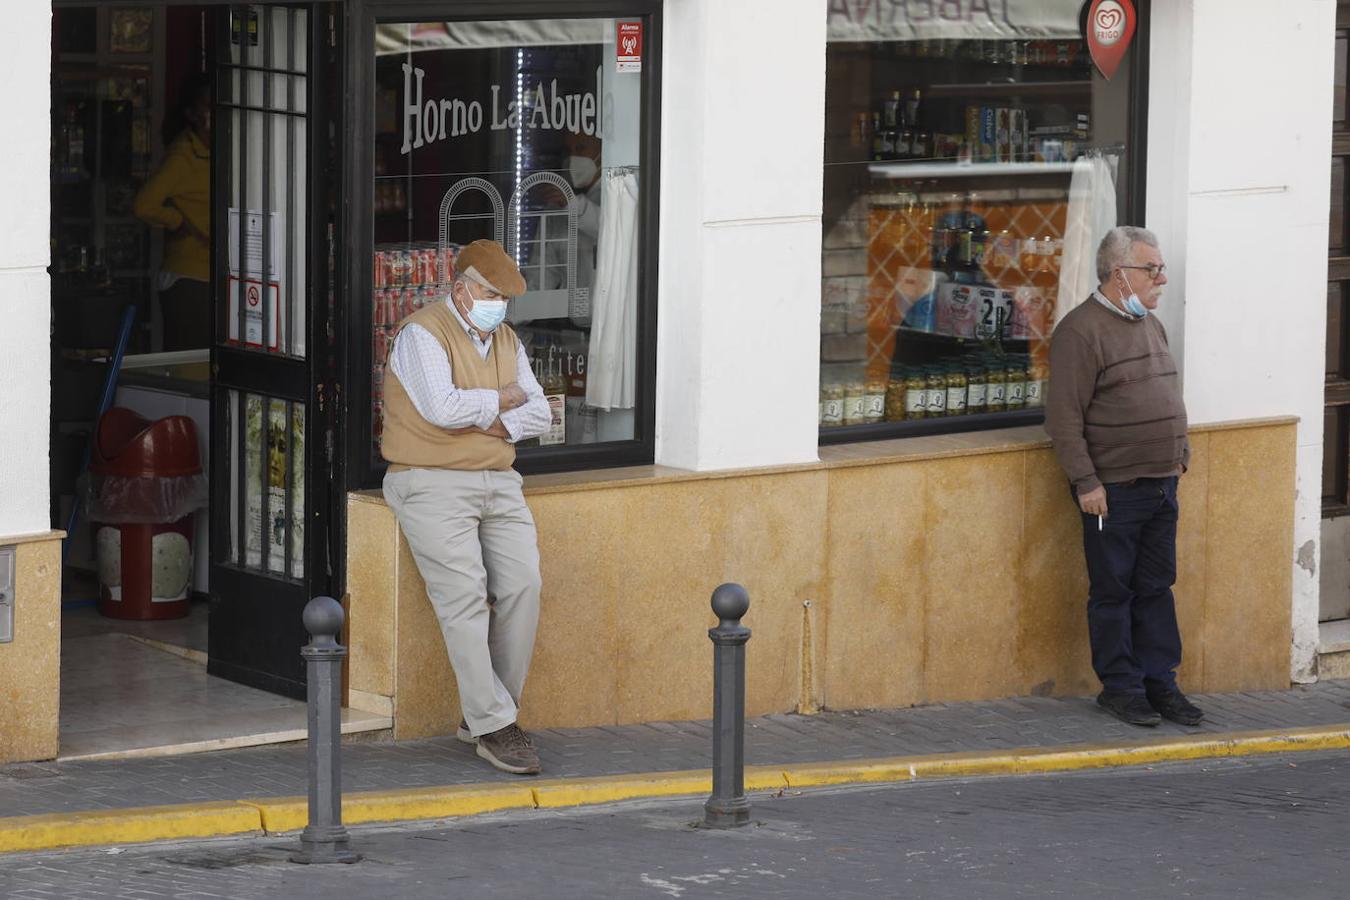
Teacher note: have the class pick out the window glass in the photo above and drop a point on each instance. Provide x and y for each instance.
(527, 133)
(972, 164)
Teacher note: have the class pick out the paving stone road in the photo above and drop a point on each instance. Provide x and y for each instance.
(1255, 827)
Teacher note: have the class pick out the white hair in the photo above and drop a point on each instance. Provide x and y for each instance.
(1118, 245)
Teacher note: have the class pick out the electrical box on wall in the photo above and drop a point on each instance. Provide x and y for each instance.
(6, 594)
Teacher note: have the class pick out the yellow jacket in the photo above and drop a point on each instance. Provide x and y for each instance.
(181, 189)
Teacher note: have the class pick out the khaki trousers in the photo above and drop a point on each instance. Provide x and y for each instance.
(475, 544)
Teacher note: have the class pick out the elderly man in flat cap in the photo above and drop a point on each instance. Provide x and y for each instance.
(458, 395)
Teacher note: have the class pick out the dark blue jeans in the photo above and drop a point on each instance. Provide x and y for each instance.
(1132, 565)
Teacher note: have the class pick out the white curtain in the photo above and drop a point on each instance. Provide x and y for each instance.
(612, 366)
(1092, 213)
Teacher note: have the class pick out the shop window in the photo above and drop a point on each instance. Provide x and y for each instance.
(534, 134)
(972, 164)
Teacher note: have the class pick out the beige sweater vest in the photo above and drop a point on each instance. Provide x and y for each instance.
(410, 441)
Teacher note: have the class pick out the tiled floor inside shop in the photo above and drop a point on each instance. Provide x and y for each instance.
(140, 688)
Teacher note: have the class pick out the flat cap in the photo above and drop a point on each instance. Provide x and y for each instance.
(486, 262)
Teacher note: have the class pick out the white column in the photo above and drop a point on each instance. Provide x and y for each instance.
(1239, 183)
(741, 169)
(25, 292)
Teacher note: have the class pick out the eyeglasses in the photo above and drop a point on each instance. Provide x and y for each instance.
(1154, 270)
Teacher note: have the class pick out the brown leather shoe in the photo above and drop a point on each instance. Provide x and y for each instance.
(464, 734)
(510, 750)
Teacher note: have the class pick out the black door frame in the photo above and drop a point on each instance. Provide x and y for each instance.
(255, 627)
(358, 173)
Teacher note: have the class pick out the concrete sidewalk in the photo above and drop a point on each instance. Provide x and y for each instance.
(45, 805)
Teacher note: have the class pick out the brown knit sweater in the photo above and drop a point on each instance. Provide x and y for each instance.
(1113, 409)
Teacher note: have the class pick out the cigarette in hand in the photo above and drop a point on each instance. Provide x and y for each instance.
(1099, 523)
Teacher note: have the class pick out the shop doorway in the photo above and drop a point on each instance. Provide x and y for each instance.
(192, 231)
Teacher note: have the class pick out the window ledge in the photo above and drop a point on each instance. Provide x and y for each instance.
(837, 456)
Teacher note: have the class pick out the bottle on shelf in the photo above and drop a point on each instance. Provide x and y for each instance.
(914, 109)
(892, 110)
(890, 144)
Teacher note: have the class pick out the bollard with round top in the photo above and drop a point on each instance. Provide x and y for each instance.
(728, 806)
(324, 839)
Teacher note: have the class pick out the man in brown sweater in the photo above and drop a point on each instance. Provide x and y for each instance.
(1116, 419)
(458, 395)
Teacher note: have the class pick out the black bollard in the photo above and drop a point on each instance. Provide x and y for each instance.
(727, 807)
(324, 839)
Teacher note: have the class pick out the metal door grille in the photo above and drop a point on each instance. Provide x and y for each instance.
(261, 105)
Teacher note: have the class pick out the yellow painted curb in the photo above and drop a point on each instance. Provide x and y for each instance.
(562, 792)
(406, 804)
(136, 825)
(126, 826)
(1066, 759)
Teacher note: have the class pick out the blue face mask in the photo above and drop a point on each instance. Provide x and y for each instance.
(486, 315)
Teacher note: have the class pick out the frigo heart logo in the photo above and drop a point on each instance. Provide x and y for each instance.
(1109, 18)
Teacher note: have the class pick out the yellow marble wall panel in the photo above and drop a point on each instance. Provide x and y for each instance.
(30, 665)
(426, 701)
(974, 525)
(372, 558)
(1052, 635)
(1191, 590)
(676, 543)
(872, 623)
(573, 674)
(946, 579)
(1249, 561)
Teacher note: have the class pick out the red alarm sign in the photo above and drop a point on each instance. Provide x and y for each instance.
(628, 46)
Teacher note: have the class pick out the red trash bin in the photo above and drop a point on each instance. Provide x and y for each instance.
(145, 483)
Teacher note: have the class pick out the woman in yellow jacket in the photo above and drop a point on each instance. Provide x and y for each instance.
(177, 198)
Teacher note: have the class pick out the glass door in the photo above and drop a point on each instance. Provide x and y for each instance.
(271, 408)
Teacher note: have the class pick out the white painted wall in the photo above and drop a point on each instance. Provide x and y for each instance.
(743, 107)
(1239, 181)
(25, 293)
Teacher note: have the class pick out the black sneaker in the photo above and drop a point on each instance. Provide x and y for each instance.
(510, 750)
(1133, 709)
(1174, 707)
(464, 734)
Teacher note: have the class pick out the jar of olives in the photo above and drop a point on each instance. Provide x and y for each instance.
(1016, 390)
(956, 391)
(874, 400)
(1036, 378)
(895, 398)
(854, 400)
(936, 381)
(996, 378)
(976, 389)
(916, 394)
(832, 405)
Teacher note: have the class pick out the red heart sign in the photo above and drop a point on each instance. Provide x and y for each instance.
(1109, 18)
(1109, 32)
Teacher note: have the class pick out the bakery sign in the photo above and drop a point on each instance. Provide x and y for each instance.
(907, 20)
(428, 120)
